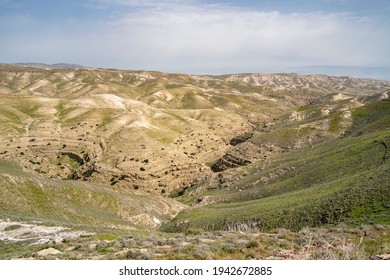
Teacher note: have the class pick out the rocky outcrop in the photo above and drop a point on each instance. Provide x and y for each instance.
(74, 156)
(240, 139)
(229, 161)
(241, 154)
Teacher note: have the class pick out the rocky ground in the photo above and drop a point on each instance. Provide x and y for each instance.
(33, 240)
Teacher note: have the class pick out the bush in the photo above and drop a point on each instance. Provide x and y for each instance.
(250, 255)
(193, 231)
(12, 227)
(252, 244)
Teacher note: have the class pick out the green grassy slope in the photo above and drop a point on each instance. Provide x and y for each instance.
(371, 118)
(345, 180)
(27, 196)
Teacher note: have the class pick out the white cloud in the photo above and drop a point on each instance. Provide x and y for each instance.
(213, 38)
(217, 36)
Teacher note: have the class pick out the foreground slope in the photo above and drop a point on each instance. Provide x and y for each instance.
(30, 197)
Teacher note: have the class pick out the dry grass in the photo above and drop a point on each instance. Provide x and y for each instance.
(336, 243)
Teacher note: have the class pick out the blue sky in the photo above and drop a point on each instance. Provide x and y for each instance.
(201, 36)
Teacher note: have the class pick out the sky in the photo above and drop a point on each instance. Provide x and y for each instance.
(201, 36)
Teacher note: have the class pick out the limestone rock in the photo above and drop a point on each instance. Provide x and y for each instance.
(47, 252)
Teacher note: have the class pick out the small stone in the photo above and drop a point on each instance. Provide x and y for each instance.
(143, 250)
(72, 248)
(382, 257)
(48, 251)
(121, 255)
(58, 240)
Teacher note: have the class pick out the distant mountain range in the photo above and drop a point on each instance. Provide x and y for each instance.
(49, 66)
(378, 73)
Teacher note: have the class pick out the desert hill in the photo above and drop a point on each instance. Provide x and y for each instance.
(117, 149)
(160, 131)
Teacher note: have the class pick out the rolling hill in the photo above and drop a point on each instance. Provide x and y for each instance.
(128, 150)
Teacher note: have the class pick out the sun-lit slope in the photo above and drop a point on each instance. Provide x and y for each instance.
(28, 196)
(344, 180)
(104, 125)
(112, 136)
(313, 83)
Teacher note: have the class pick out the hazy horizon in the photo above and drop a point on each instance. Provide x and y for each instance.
(380, 73)
(199, 36)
